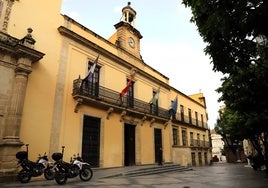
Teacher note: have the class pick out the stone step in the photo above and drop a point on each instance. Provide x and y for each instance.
(155, 170)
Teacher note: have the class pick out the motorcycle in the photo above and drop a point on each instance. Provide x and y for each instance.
(257, 162)
(65, 170)
(33, 169)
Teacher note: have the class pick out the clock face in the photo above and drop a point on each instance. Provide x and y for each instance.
(131, 42)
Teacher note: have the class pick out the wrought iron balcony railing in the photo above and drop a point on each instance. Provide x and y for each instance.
(113, 98)
(94, 93)
(199, 143)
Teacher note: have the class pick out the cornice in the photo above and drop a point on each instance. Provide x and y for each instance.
(17, 49)
(130, 27)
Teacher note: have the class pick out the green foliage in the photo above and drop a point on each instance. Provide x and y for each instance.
(230, 28)
(236, 34)
(223, 152)
(231, 127)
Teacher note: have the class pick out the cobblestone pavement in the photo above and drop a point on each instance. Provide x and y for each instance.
(216, 176)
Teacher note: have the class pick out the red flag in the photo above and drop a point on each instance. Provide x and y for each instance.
(125, 90)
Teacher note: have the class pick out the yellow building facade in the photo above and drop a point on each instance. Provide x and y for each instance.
(46, 102)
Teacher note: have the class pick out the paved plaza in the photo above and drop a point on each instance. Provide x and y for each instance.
(215, 176)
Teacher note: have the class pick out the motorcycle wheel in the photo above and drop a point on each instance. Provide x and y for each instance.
(255, 167)
(60, 178)
(86, 173)
(49, 173)
(24, 176)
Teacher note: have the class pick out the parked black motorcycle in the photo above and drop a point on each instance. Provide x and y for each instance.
(66, 170)
(257, 162)
(33, 169)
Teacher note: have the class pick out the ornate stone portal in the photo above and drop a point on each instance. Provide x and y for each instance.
(16, 58)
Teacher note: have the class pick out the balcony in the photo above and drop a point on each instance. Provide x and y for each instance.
(199, 143)
(104, 98)
(193, 122)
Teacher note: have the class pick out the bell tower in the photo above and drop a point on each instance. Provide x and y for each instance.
(127, 36)
(129, 15)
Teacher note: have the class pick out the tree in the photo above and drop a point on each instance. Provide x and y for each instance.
(236, 33)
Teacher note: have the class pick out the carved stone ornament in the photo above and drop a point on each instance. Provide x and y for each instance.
(6, 14)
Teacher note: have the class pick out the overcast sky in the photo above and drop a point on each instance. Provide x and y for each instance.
(170, 43)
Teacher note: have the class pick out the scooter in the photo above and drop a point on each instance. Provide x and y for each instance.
(65, 170)
(33, 169)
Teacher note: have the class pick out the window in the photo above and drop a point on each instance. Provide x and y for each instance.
(91, 86)
(198, 139)
(191, 139)
(190, 115)
(202, 120)
(182, 112)
(175, 136)
(184, 137)
(204, 140)
(196, 118)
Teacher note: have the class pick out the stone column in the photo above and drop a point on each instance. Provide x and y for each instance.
(13, 121)
(11, 141)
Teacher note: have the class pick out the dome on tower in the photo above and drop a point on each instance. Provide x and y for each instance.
(128, 15)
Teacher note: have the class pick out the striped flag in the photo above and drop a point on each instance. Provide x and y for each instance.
(91, 70)
(155, 97)
(173, 109)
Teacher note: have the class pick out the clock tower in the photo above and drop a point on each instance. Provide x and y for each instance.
(127, 36)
